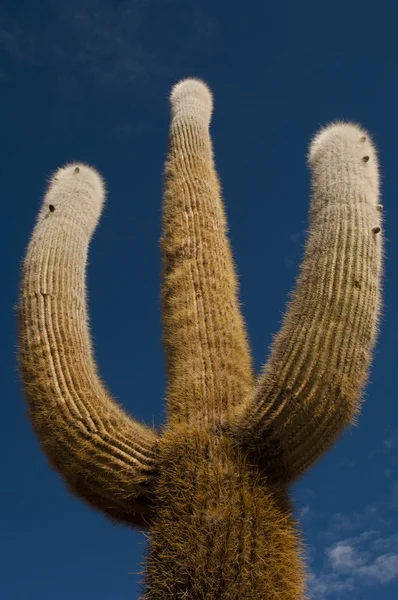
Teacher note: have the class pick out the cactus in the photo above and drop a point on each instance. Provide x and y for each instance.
(212, 485)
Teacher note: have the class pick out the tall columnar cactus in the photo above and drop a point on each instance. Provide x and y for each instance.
(213, 485)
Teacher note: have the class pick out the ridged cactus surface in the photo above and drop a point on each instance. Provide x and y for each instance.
(212, 486)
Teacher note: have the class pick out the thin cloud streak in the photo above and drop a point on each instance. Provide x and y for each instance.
(106, 44)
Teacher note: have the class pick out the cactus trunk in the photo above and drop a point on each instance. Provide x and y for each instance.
(220, 531)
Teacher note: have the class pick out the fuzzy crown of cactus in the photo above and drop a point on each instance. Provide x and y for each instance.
(212, 486)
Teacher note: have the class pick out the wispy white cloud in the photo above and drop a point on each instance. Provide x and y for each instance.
(100, 55)
(305, 513)
(367, 558)
(107, 43)
(289, 262)
(303, 499)
(387, 472)
(344, 557)
(295, 250)
(15, 42)
(387, 446)
(347, 463)
(329, 585)
(374, 515)
(298, 237)
(356, 550)
(94, 36)
(391, 440)
(388, 453)
(383, 569)
(352, 563)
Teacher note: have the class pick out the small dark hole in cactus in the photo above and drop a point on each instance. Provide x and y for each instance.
(363, 138)
(376, 230)
(357, 284)
(379, 207)
(77, 170)
(51, 207)
(365, 159)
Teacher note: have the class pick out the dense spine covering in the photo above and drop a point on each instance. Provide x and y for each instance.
(220, 531)
(213, 486)
(208, 359)
(310, 388)
(104, 456)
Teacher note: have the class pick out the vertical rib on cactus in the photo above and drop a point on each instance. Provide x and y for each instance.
(310, 389)
(208, 358)
(104, 456)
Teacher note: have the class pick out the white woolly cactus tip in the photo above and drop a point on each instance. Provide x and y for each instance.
(191, 97)
(76, 189)
(344, 146)
(337, 134)
(75, 172)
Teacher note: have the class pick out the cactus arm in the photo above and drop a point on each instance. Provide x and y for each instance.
(208, 360)
(104, 456)
(311, 387)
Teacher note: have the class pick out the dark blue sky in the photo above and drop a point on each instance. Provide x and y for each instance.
(89, 80)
